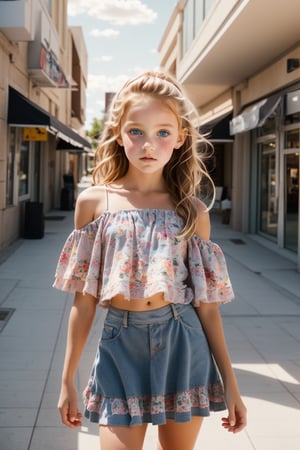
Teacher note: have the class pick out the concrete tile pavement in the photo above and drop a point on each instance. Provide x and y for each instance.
(261, 326)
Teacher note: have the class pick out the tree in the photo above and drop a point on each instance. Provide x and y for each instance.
(95, 132)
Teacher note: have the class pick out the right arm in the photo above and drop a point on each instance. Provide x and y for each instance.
(80, 321)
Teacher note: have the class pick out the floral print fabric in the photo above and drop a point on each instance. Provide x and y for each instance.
(147, 408)
(136, 253)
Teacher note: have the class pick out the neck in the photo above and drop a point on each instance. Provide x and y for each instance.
(145, 184)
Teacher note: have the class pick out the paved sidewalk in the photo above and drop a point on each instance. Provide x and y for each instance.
(261, 325)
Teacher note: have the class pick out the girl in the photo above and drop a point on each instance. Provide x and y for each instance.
(141, 249)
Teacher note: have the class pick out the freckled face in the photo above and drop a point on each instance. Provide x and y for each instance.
(149, 134)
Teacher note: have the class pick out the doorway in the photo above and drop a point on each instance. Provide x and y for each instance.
(268, 214)
(36, 179)
(291, 197)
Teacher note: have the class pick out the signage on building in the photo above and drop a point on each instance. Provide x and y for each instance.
(35, 134)
(52, 69)
(43, 51)
(47, 72)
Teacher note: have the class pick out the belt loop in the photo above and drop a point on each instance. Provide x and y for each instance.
(174, 311)
(125, 319)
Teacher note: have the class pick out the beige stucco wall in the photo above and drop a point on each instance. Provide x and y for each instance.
(14, 72)
(273, 78)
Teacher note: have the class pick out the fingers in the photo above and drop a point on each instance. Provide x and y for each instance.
(70, 417)
(231, 418)
(235, 422)
(72, 421)
(233, 427)
(75, 420)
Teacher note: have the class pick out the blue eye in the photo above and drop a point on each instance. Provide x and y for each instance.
(163, 133)
(135, 132)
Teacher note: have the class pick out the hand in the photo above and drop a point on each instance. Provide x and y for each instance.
(237, 414)
(68, 407)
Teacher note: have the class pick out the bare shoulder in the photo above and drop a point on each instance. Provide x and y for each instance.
(90, 204)
(203, 220)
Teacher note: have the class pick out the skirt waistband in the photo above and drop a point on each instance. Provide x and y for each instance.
(147, 317)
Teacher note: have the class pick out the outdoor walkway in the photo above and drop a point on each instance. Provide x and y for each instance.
(262, 327)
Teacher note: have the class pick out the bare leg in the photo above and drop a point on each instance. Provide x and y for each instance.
(178, 436)
(122, 438)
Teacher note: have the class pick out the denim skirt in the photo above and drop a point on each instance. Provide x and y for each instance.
(152, 366)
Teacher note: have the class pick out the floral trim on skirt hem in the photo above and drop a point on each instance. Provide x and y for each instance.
(180, 407)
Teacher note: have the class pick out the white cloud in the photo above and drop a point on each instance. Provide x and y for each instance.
(106, 33)
(136, 70)
(104, 58)
(90, 111)
(98, 85)
(104, 83)
(101, 103)
(119, 12)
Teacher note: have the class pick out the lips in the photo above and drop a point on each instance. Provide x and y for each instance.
(147, 159)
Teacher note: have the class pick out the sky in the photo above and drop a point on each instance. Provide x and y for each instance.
(122, 38)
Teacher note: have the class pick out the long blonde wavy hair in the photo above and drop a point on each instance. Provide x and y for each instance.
(185, 170)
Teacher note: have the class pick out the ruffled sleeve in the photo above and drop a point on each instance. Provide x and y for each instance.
(79, 263)
(209, 279)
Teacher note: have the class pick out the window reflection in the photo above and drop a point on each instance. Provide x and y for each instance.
(268, 202)
(291, 138)
(10, 167)
(24, 169)
(194, 13)
(291, 201)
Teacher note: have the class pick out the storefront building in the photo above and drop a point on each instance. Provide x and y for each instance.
(243, 72)
(42, 108)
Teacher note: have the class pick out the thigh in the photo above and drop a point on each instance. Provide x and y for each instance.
(178, 436)
(122, 438)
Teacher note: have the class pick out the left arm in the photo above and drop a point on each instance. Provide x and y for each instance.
(210, 317)
(211, 321)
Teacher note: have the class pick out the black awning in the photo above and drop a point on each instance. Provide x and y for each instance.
(254, 115)
(23, 112)
(217, 130)
(62, 144)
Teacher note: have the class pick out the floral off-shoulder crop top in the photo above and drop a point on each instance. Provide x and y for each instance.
(136, 253)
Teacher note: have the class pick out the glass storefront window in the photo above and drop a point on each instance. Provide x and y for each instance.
(188, 25)
(291, 138)
(199, 15)
(268, 127)
(10, 167)
(291, 201)
(291, 165)
(292, 118)
(24, 169)
(194, 14)
(48, 5)
(207, 6)
(268, 214)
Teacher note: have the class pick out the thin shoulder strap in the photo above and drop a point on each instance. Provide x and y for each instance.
(106, 196)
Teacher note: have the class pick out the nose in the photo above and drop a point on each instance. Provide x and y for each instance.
(147, 145)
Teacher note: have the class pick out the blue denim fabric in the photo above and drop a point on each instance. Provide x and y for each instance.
(152, 366)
